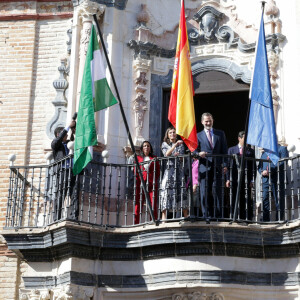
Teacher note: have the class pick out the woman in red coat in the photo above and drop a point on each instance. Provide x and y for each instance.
(150, 171)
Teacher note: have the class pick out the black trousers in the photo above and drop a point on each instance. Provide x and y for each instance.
(211, 192)
(245, 208)
(279, 203)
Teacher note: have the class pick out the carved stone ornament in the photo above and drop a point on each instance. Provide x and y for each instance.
(35, 294)
(85, 38)
(208, 19)
(87, 8)
(273, 60)
(129, 153)
(60, 101)
(198, 296)
(86, 11)
(271, 9)
(139, 108)
(141, 67)
(141, 79)
(212, 29)
(69, 42)
(210, 32)
(143, 16)
(73, 292)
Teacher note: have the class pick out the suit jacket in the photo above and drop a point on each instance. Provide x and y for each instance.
(248, 163)
(57, 146)
(283, 152)
(219, 147)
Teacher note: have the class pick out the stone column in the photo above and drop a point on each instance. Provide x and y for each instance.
(81, 29)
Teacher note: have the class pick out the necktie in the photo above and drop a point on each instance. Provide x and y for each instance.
(241, 151)
(209, 137)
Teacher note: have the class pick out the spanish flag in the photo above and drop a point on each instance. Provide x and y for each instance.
(181, 108)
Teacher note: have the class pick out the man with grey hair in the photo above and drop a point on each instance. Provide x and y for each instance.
(211, 168)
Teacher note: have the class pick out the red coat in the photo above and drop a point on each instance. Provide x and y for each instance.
(153, 192)
(149, 173)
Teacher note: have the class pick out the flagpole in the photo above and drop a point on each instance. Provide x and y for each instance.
(125, 122)
(241, 170)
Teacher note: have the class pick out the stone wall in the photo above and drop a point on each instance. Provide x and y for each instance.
(33, 39)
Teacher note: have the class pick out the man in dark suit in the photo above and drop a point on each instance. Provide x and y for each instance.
(63, 170)
(211, 169)
(247, 180)
(269, 171)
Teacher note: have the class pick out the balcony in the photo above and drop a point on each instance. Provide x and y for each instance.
(106, 194)
(90, 219)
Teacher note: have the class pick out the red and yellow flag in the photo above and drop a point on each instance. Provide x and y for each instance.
(181, 108)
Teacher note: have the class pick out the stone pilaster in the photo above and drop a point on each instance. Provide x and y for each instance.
(140, 102)
(81, 29)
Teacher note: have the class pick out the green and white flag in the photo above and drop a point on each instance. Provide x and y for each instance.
(95, 95)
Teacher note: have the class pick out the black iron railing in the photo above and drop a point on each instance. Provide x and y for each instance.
(111, 194)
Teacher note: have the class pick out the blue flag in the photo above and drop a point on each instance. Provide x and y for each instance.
(261, 125)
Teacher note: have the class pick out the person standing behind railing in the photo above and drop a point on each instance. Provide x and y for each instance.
(171, 186)
(150, 171)
(60, 150)
(211, 141)
(232, 178)
(264, 169)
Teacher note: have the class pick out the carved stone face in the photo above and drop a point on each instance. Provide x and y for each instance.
(208, 25)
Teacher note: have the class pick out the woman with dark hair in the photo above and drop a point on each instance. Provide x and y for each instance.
(150, 171)
(173, 197)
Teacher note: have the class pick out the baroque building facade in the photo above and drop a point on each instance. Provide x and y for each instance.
(43, 48)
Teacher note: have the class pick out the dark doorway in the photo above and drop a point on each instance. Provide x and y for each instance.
(229, 110)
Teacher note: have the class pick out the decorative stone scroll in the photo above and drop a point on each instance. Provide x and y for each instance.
(211, 31)
(66, 292)
(35, 295)
(198, 296)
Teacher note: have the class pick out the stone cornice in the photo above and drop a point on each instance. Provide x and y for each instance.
(164, 241)
(119, 4)
(36, 10)
(147, 49)
(8, 1)
(199, 277)
(42, 16)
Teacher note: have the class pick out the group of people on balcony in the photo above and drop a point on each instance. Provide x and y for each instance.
(208, 172)
(210, 169)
